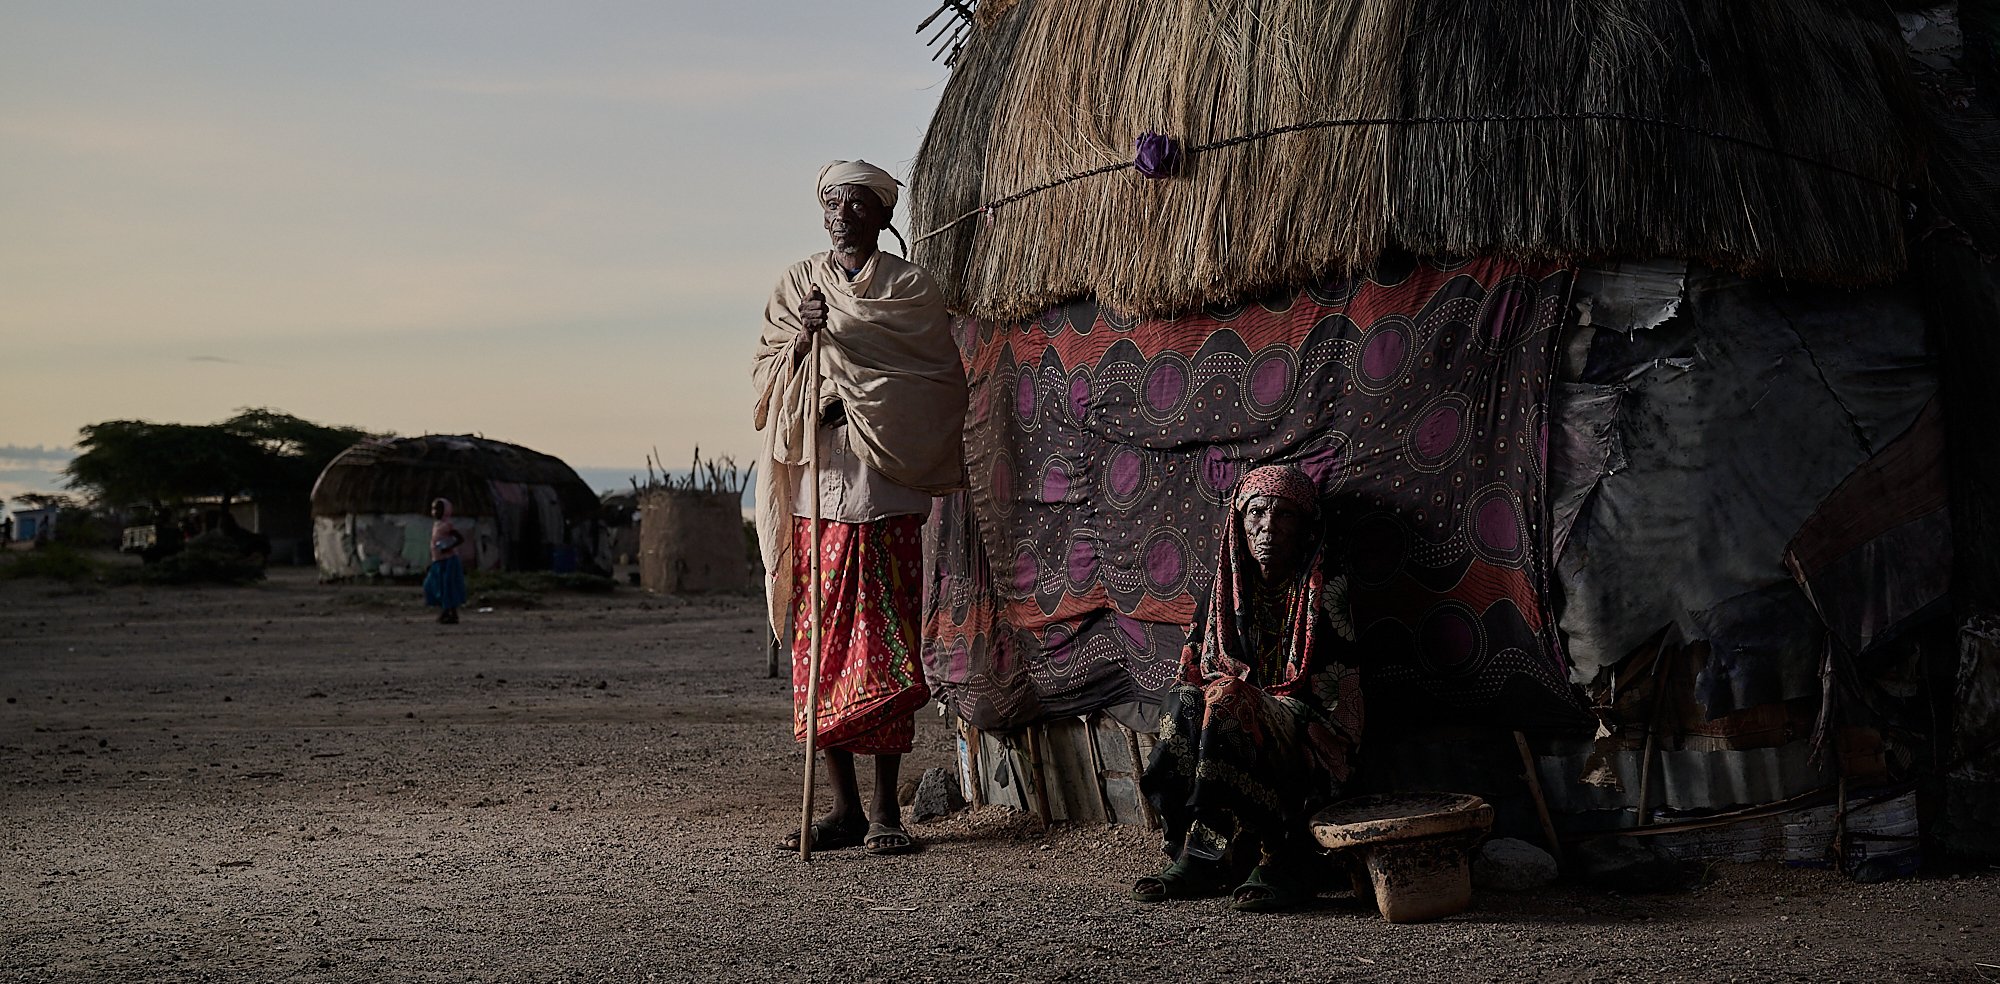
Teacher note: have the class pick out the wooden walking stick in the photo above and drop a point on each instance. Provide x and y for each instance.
(812, 588)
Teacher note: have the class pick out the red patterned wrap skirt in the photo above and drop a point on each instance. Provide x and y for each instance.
(871, 599)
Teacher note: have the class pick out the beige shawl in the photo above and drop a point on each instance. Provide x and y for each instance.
(888, 355)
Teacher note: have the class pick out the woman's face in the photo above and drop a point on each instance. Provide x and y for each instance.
(1274, 530)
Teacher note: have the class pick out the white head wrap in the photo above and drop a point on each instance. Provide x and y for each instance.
(861, 173)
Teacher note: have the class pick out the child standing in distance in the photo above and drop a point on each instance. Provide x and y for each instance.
(444, 582)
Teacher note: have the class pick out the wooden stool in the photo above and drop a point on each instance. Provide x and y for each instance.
(1412, 846)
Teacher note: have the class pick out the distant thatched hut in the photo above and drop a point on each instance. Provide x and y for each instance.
(519, 509)
(1596, 322)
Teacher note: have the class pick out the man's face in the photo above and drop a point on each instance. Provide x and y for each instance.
(437, 510)
(1274, 530)
(854, 217)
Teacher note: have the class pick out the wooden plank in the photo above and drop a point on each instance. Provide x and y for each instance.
(1038, 776)
(1097, 767)
(1139, 769)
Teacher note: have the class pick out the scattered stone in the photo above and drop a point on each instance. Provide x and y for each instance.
(937, 796)
(1507, 864)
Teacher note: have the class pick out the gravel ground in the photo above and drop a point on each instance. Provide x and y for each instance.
(296, 782)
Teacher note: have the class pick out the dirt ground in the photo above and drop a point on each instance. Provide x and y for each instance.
(296, 782)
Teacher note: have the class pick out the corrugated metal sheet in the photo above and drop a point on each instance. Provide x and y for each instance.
(1872, 828)
(1685, 779)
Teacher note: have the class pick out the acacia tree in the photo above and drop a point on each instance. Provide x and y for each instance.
(45, 500)
(294, 450)
(131, 461)
(258, 452)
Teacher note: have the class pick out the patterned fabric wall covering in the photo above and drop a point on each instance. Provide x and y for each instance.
(1102, 450)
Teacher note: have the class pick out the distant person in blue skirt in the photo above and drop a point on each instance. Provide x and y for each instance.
(444, 582)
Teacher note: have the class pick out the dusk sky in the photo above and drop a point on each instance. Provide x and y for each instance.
(553, 224)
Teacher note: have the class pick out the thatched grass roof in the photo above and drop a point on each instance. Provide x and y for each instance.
(403, 475)
(1046, 88)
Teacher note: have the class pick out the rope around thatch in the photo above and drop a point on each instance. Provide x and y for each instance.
(1055, 87)
(1571, 117)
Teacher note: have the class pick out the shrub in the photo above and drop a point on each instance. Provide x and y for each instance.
(80, 527)
(211, 558)
(56, 561)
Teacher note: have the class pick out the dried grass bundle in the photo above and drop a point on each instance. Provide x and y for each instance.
(1051, 87)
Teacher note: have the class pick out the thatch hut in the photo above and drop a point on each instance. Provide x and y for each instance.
(1597, 321)
(520, 510)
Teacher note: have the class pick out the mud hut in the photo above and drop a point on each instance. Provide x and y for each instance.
(520, 510)
(692, 542)
(691, 531)
(1597, 323)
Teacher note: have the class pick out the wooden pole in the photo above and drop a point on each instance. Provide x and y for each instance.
(1645, 808)
(1534, 778)
(1839, 845)
(1656, 720)
(812, 589)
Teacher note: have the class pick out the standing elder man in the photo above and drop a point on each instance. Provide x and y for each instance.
(890, 415)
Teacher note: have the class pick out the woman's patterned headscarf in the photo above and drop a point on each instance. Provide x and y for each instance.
(1224, 651)
(1286, 482)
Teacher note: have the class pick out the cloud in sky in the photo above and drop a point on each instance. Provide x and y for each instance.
(17, 455)
(30, 468)
(553, 226)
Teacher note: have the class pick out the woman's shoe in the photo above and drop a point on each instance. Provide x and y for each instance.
(1260, 892)
(1188, 878)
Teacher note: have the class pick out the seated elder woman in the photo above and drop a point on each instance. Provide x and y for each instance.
(1257, 732)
